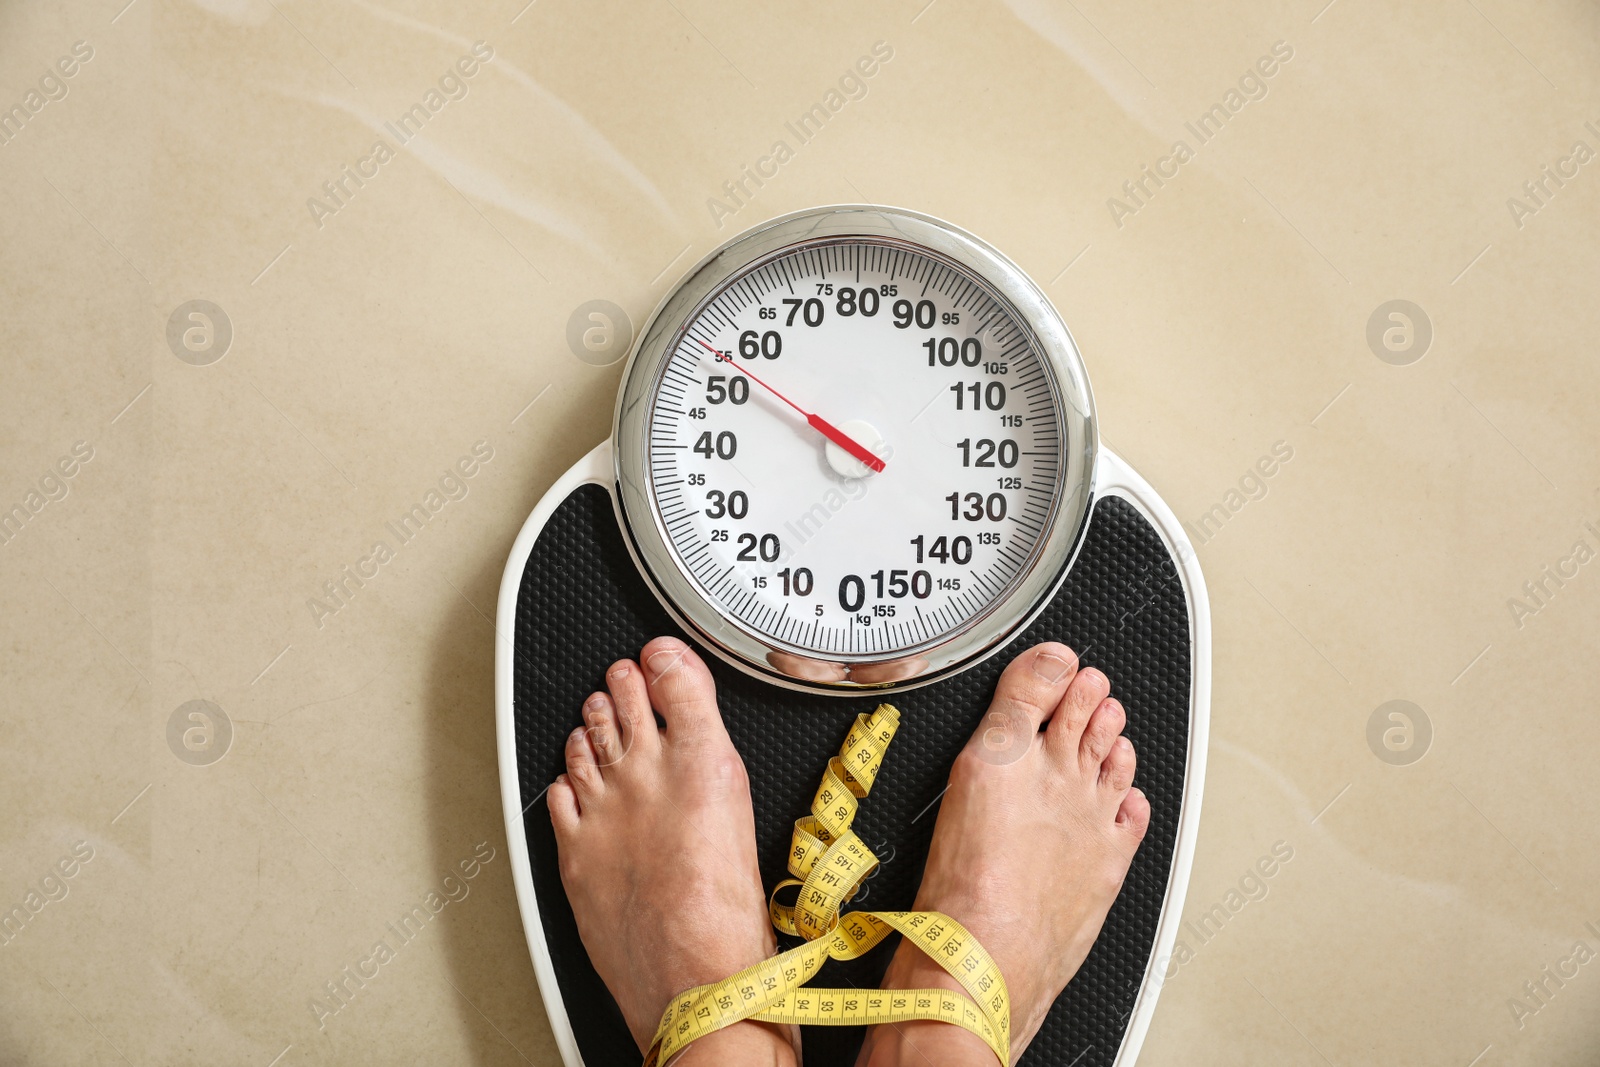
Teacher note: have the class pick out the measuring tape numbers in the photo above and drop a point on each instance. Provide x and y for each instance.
(829, 862)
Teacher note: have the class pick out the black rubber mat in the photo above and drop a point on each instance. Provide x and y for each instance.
(583, 605)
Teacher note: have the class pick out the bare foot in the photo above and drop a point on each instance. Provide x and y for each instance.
(1033, 840)
(658, 854)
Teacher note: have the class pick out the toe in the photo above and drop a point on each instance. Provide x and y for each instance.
(583, 769)
(1101, 733)
(897, 670)
(563, 802)
(630, 704)
(1134, 814)
(1071, 715)
(1116, 773)
(681, 689)
(807, 669)
(600, 721)
(1028, 692)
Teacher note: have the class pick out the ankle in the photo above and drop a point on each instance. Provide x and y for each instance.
(921, 1043)
(748, 1044)
(918, 1044)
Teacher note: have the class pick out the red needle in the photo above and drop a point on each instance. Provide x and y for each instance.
(817, 422)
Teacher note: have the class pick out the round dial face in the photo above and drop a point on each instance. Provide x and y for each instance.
(855, 449)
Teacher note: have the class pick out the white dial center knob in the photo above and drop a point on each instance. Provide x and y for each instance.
(864, 434)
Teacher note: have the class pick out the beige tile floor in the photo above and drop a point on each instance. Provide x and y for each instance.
(368, 343)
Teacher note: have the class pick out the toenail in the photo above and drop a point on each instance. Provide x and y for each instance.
(662, 662)
(1094, 675)
(595, 703)
(1051, 667)
(620, 671)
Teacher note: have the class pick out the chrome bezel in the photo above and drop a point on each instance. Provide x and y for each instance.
(986, 631)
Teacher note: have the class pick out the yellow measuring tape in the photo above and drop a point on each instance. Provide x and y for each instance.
(829, 863)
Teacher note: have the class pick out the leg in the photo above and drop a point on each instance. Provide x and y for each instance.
(1032, 842)
(658, 855)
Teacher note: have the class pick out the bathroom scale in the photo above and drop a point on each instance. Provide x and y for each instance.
(855, 459)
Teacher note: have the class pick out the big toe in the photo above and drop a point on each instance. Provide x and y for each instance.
(1026, 694)
(681, 689)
